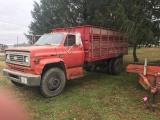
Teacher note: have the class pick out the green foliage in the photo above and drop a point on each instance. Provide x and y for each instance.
(138, 18)
(133, 17)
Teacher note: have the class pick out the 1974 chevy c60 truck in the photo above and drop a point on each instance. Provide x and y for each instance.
(62, 54)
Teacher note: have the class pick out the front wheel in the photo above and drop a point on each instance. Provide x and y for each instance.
(53, 82)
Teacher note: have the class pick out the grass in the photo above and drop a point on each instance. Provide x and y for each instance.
(151, 53)
(97, 96)
(1, 58)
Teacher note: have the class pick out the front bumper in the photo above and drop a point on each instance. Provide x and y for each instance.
(26, 79)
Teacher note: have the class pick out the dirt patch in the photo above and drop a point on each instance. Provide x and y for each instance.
(1, 77)
(2, 64)
(83, 113)
(90, 86)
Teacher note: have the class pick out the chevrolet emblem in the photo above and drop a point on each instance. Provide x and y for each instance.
(15, 57)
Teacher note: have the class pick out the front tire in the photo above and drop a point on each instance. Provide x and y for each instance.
(53, 82)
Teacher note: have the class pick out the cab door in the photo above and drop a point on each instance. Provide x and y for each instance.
(73, 51)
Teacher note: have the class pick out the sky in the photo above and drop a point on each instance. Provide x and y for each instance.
(15, 17)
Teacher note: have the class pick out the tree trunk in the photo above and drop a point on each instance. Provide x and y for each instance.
(158, 37)
(134, 53)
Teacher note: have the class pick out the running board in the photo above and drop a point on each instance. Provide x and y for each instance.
(74, 73)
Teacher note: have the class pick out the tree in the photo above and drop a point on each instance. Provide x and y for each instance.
(134, 18)
(138, 18)
(47, 15)
(51, 14)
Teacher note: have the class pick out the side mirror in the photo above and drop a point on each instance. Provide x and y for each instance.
(78, 39)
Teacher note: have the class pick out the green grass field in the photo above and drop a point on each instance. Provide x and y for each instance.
(152, 54)
(1, 58)
(97, 96)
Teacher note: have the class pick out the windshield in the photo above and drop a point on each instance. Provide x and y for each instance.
(50, 39)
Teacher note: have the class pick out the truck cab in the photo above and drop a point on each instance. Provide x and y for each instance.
(54, 58)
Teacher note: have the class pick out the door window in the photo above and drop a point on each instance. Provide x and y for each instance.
(70, 40)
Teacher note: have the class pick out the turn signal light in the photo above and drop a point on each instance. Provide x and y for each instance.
(36, 61)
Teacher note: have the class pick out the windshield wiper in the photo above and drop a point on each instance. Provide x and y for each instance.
(47, 44)
(36, 45)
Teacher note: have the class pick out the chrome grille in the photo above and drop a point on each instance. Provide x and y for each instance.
(17, 58)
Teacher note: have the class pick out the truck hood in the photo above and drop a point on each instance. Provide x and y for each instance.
(37, 51)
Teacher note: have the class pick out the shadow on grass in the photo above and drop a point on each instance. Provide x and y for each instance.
(100, 77)
(92, 81)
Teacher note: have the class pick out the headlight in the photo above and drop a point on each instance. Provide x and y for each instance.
(7, 57)
(26, 59)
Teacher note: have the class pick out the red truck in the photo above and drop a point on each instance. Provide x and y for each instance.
(62, 55)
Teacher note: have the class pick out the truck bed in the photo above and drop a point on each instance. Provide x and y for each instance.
(100, 43)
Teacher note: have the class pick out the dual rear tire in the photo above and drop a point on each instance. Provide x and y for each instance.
(91, 68)
(114, 66)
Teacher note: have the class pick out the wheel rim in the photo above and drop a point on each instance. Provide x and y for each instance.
(54, 82)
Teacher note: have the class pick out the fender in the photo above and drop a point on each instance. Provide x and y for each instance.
(42, 63)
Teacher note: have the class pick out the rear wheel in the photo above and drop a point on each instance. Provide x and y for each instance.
(109, 67)
(17, 84)
(91, 68)
(53, 82)
(116, 65)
